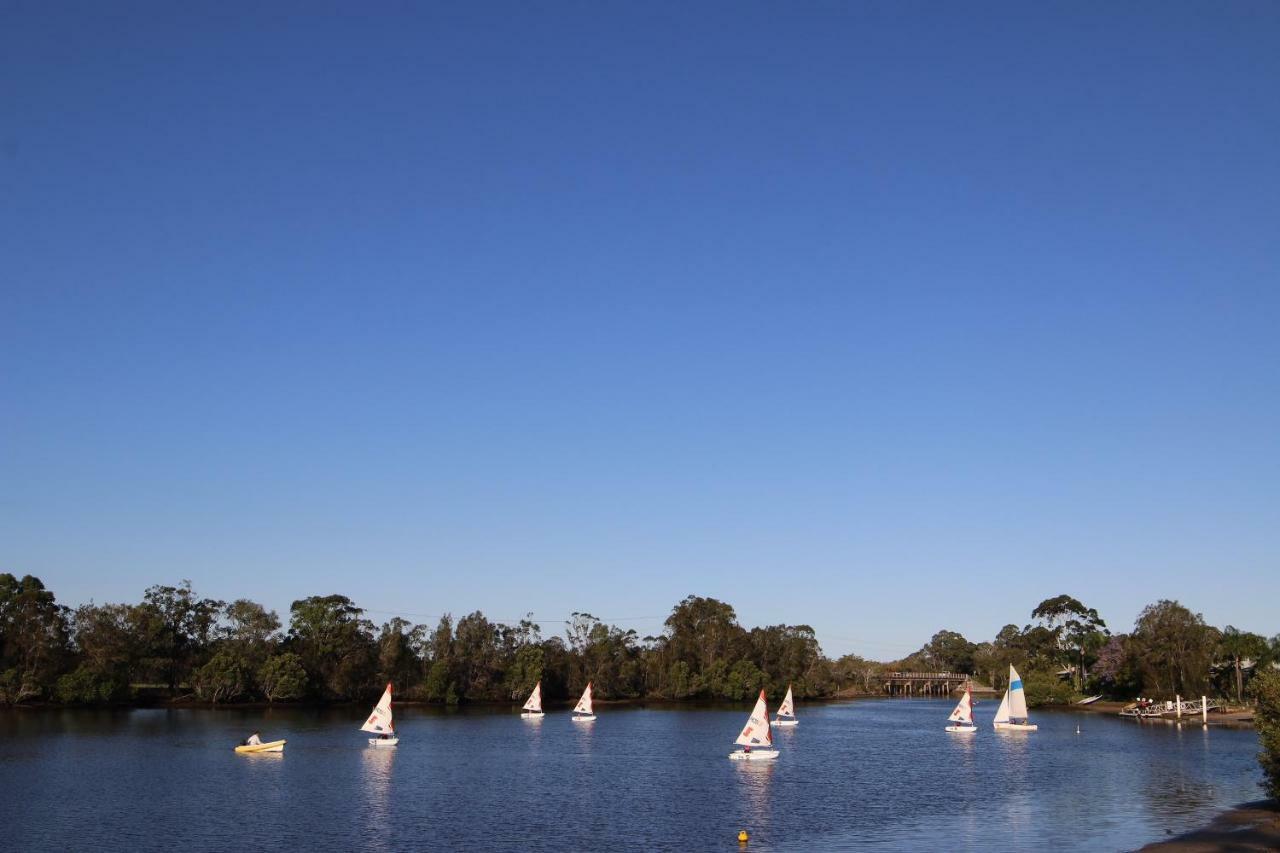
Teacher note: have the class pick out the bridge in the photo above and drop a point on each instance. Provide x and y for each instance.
(923, 683)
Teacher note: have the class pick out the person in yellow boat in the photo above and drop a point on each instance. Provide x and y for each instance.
(253, 740)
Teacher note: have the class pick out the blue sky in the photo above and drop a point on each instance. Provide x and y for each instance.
(881, 317)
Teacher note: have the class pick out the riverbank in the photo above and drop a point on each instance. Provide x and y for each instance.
(1231, 719)
(1247, 827)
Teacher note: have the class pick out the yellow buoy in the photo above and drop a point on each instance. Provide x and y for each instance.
(743, 837)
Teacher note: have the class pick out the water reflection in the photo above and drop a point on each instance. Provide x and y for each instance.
(963, 748)
(874, 774)
(754, 781)
(584, 735)
(375, 778)
(1016, 801)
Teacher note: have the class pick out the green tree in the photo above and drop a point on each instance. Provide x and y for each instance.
(335, 645)
(178, 627)
(853, 671)
(399, 647)
(34, 639)
(679, 683)
(438, 685)
(1265, 689)
(1238, 646)
(702, 631)
(282, 677)
(87, 686)
(477, 651)
(525, 672)
(1174, 649)
(110, 647)
(743, 681)
(949, 651)
(251, 629)
(1046, 688)
(226, 677)
(1075, 628)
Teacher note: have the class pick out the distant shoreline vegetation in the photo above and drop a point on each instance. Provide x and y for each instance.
(176, 647)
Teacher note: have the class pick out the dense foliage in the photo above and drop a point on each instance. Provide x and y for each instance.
(1266, 691)
(1067, 650)
(174, 644)
(183, 646)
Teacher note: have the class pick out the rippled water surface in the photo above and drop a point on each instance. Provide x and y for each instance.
(873, 774)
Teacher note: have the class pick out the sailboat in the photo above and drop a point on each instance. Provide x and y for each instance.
(1012, 713)
(532, 707)
(582, 712)
(756, 733)
(961, 718)
(379, 722)
(786, 711)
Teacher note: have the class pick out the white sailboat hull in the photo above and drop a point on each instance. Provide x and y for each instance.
(784, 723)
(962, 730)
(533, 715)
(755, 755)
(1015, 727)
(382, 744)
(584, 718)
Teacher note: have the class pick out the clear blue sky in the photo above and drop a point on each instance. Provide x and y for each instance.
(882, 317)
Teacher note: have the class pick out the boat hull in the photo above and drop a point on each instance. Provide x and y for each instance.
(785, 723)
(384, 744)
(755, 755)
(533, 715)
(962, 730)
(270, 746)
(1016, 727)
(584, 718)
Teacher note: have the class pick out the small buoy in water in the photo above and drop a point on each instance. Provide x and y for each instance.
(743, 837)
(1077, 730)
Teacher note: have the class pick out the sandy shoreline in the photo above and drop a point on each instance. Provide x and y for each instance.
(1247, 827)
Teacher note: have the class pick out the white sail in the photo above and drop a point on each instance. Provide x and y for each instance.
(788, 706)
(1002, 713)
(757, 732)
(534, 702)
(1017, 697)
(379, 721)
(584, 704)
(964, 710)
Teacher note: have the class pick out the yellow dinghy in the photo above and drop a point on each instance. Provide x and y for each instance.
(270, 746)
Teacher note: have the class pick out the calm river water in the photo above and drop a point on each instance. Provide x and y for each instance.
(872, 774)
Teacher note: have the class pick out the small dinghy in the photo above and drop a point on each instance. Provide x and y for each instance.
(756, 733)
(961, 718)
(582, 712)
(379, 722)
(270, 746)
(786, 711)
(532, 708)
(1011, 716)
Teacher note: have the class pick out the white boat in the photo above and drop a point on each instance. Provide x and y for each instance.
(1012, 714)
(756, 733)
(786, 711)
(582, 712)
(1089, 700)
(379, 722)
(961, 718)
(532, 707)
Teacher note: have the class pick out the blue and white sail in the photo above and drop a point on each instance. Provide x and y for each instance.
(1012, 713)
